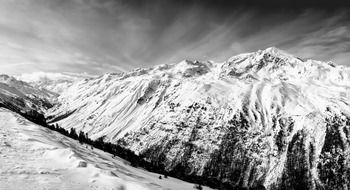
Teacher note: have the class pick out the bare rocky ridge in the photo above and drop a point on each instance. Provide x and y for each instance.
(262, 120)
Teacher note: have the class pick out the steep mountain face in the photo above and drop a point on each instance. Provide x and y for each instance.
(20, 97)
(259, 120)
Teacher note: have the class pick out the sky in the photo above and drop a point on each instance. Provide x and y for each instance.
(100, 36)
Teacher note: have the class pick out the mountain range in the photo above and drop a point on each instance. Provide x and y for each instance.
(261, 120)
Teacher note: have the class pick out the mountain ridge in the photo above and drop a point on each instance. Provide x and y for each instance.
(260, 120)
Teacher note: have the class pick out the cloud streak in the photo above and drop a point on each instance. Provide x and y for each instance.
(108, 36)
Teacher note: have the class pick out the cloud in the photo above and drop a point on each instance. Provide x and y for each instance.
(14, 64)
(118, 35)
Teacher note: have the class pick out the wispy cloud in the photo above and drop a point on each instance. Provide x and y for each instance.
(14, 64)
(106, 36)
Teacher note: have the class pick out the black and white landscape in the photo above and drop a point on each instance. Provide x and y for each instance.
(143, 95)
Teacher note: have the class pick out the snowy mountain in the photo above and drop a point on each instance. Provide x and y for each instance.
(22, 98)
(260, 120)
(54, 82)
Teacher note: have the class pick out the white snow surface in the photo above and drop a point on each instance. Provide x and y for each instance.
(35, 158)
(148, 107)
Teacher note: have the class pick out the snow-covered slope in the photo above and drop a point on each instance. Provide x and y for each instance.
(54, 82)
(35, 158)
(263, 119)
(23, 98)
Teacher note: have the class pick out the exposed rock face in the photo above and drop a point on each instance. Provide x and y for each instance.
(334, 162)
(263, 120)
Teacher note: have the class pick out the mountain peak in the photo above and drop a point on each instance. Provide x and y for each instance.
(271, 56)
(273, 63)
(276, 52)
(268, 52)
(273, 50)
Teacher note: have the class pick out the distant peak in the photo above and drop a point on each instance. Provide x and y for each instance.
(4, 76)
(268, 52)
(7, 77)
(272, 49)
(277, 52)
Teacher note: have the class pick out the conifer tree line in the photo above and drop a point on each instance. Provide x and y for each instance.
(99, 143)
(139, 160)
(135, 160)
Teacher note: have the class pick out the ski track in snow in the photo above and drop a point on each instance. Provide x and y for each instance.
(35, 158)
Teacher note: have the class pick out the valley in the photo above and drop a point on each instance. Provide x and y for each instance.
(260, 120)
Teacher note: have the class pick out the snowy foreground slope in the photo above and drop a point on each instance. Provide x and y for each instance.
(35, 158)
(260, 120)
